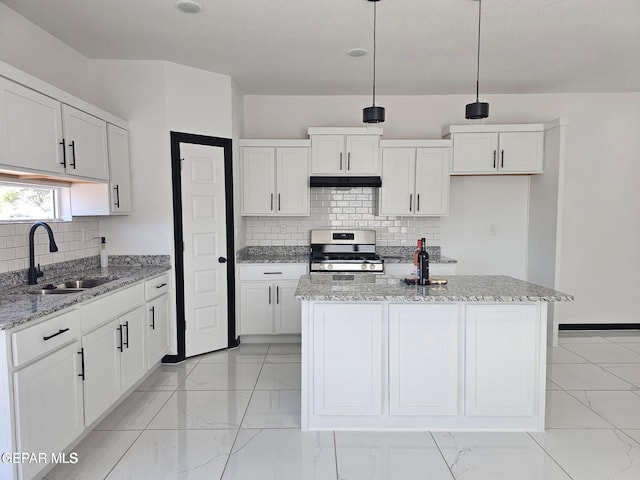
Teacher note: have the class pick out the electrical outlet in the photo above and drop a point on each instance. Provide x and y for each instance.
(493, 229)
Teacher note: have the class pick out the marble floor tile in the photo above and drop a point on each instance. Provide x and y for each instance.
(232, 356)
(273, 409)
(560, 354)
(176, 455)
(202, 409)
(580, 336)
(570, 376)
(552, 386)
(629, 372)
(620, 408)
(251, 348)
(623, 336)
(633, 433)
(97, 453)
(604, 352)
(284, 349)
(276, 358)
(136, 411)
(167, 377)
(593, 454)
(497, 456)
(389, 456)
(222, 376)
(279, 376)
(565, 411)
(633, 346)
(273, 454)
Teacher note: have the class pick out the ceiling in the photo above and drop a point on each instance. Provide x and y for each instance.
(299, 47)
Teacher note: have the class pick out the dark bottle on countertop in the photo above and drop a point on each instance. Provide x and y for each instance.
(423, 264)
(416, 269)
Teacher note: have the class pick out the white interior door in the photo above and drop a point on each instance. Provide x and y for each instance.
(205, 242)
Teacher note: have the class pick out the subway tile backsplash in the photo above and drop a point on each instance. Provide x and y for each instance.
(335, 208)
(75, 240)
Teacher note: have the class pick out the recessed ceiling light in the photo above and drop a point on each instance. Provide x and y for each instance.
(188, 6)
(357, 52)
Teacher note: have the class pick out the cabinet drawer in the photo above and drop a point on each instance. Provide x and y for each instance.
(45, 337)
(111, 306)
(156, 286)
(272, 271)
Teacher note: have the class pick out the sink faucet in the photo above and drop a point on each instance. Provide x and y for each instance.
(34, 272)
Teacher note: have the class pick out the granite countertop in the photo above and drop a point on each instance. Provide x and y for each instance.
(300, 254)
(460, 288)
(19, 307)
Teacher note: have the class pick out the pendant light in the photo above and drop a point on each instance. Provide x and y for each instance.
(477, 109)
(373, 114)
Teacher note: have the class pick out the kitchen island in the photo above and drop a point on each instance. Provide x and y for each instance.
(378, 354)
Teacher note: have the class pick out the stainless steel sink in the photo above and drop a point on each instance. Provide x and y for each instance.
(71, 286)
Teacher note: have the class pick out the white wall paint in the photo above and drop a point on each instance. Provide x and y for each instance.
(600, 219)
(33, 50)
(238, 133)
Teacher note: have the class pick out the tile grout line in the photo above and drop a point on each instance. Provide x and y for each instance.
(435, 442)
(549, 455)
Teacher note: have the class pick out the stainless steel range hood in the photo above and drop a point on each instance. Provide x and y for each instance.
(335, 181)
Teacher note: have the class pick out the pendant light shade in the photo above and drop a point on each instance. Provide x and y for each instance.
(373, 114)
(477, 109)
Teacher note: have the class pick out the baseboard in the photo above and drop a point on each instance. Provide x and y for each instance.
(599, 326)
(289, 338)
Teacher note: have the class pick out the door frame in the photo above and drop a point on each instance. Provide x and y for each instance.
(176, 139)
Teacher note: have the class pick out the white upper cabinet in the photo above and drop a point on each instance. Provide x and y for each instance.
(85, 143)
(496, 149)
(415, 179)
(30, 130)
(345, 151)
(275, 178)
(119, 173)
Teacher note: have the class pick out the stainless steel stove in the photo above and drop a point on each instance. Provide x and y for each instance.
(344, 251)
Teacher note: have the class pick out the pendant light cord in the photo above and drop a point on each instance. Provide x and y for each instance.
(478, 68)
(374, 52)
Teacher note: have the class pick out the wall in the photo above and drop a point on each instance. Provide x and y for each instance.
(339, 208)
(74, 239)
(599, 219)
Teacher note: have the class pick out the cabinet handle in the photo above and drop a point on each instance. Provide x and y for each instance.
(340, 160)
(349, 161)
(161, 285)
(120, 330)
(117, 202)
(494, 159)
(153, 318)
(81, 353)
(64, 154)
(73, 153)
(418, 202)
(269, 294)
(502, 159)
(272, 273)
(126, 325)
(278, 202)
(271, 207)
(60, 332)
(410, 201)
(277, 295)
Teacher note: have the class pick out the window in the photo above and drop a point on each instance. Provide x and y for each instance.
(21, 202)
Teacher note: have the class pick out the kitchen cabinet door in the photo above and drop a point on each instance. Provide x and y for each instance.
(102, 385)
(119, 173)
(521, 152)
(157, 329)
(256, 308)
(347, 359)
(86, 144)
(133, 360)
(432, 181)
(423, 359)
(258, 180)
(292, 181)
(30, 130)
(475, 152)
(48, 405)
(287, 309)
(327, 154)
(501, 360)
(398, 180)
(362, 155)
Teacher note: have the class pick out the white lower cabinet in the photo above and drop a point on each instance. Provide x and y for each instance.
(347, 359)
(157, 329)
(501, 360)
(423, 359)
(133, 361)
(267, 304)
(48, 405)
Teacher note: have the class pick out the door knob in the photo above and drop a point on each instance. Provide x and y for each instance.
(222, 260)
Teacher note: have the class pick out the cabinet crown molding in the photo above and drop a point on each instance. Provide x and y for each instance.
(490, 128)
(344, 131)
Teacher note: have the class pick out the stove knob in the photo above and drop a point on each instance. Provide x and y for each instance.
(329, 267)
(364, 266)
(372, 266)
